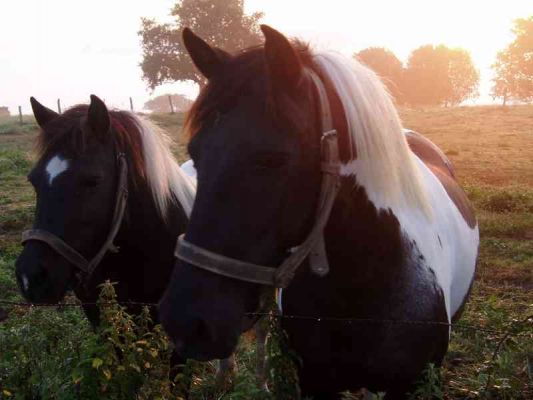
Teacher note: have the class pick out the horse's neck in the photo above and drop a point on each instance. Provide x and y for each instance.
(363, 231)
(366, 254)
(146, 231)
(146, 244)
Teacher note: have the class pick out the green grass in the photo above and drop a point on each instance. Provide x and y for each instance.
(12, 125)
(499, 181)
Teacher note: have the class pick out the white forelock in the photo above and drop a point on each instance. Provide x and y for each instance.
(165, 178)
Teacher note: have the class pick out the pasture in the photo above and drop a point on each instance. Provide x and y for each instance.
(492, 149)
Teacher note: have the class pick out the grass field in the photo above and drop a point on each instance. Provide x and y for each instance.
(492, 149)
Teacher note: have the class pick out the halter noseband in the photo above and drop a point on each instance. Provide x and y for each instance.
(313, 246)
(87, 267)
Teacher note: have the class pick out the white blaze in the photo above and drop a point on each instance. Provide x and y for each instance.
(55, 167)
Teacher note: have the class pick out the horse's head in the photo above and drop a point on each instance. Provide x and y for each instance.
(75, 182)
(255, 142)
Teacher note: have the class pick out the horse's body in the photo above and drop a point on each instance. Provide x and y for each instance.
(401, 238)
(395, 280)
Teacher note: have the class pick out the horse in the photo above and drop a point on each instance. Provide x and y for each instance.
(308, 183)
(77, 180)
(110, 202)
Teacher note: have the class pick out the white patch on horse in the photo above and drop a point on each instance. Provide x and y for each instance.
(25, 283)
(448, 244)
(395, 178)
(279, 299)
(56, 166)
(453, 257)
(188, 168)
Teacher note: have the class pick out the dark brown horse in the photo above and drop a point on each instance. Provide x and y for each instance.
(399, 240)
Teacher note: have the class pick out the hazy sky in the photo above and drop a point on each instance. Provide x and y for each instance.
(72, 48)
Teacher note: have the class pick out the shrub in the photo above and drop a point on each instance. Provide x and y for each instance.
(128, 358)
(51, 355)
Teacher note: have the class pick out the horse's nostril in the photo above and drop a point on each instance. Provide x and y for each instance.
(25, 283)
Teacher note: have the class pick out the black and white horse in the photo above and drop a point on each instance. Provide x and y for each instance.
(76, 179)
(401, 239)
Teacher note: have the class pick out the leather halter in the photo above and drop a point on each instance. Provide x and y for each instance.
(87, 267)
(313, 246)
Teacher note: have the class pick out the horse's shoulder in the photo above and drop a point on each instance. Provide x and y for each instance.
(443, 169)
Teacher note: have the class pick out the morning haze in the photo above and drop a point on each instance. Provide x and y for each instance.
(70, 49)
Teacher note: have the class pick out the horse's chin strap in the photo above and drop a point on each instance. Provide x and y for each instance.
(87, 267)
(313, 246)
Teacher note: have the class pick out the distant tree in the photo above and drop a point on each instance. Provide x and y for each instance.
(514, 65)
(161, 104)
(384, 63)
(438, 75)
(463, 77)
(221, 23)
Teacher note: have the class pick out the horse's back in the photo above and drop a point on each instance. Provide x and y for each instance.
(443, 169)
(429, 152)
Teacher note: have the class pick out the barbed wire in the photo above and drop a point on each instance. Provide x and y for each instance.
(511, 331)
(506, 333)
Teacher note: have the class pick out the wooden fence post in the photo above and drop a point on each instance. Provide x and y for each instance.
(171, 105)
(59, 106)
(20, 115)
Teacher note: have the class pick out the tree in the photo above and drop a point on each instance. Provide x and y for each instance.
(221, 23)
(440, 76)
(463, 77)
(161, 104)
(514, 65)
(384, 63)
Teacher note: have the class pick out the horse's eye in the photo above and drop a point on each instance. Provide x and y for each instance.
(266, 161)
(91, 181)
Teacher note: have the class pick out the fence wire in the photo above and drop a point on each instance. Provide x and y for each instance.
(514, 328)
(512, 325)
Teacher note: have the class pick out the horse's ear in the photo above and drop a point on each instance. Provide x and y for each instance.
(42, 114)
(207, 59)
(283, 62)
(98, 117)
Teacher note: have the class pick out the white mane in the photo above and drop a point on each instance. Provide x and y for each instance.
(164, 176)
(384, 165)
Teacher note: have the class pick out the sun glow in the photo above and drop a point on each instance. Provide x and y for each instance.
(69, 49)
(482, 27)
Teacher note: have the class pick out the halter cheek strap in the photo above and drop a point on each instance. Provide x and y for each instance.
(313, 246)
(87, 267)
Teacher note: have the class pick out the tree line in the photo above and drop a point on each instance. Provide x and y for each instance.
(433, 75)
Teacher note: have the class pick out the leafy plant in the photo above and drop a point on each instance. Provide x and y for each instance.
(282, 362)
(128, 358)
(429, 387)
